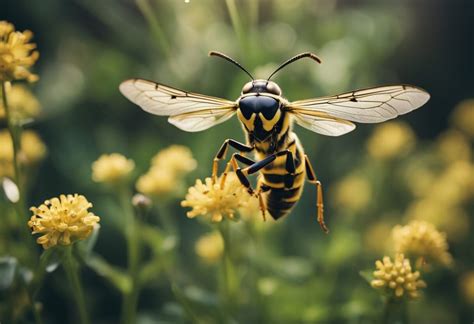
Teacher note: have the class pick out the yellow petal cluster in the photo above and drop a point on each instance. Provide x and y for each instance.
(421, 239)
(168, 167)
(62, 220)
(22, 103)
(390, 140)
(111, 168)
(453, 146)
(32, 151)
(353, 192)
(175, 159)
(219, 202)
(210, 247)
(466, 284)
(397, 277)
(463, 117)
(17, 54)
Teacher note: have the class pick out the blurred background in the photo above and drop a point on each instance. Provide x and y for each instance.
(374, 178)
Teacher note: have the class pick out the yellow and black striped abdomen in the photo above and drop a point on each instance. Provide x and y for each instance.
(284, 189)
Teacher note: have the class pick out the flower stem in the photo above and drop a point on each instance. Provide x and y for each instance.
(395, 312)
(237, 24)
(71, 268)
(14, 133)
(19, 206)
(228, 275)
(130, 298)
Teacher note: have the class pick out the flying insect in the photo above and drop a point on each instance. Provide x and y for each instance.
(267, 118)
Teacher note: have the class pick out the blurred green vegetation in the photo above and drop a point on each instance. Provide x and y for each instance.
(289, 272)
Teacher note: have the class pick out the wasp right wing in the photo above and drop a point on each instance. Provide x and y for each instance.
(333, 115)
(188, 111)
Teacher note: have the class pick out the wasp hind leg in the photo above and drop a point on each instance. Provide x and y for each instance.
(319, 193)
(243, 148)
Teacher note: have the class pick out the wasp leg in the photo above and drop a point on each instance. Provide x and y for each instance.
(319, 193)
(263, 208)
(233, 163)
(223, 151)
(257, 166)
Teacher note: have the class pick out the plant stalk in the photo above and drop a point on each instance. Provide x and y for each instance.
(71, 268)
(130, 298)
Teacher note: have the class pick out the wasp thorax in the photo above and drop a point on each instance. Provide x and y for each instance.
(261, 86)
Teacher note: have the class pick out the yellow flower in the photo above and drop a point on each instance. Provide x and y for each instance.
(156, 182)
(176, 159)
(63, 220)
(168, 167)
(463, 117)
(32, 151)
(16, 54)
(421, 239)
(22, 103)
(436, 212)
(397, 278)
(111, 168)
(207, 198)
(453, 146)
(353, 192)
(390, 140)
(467, 286)
(32, 147)
(210, 247)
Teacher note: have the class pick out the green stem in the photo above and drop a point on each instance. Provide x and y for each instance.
(237, 24)
(228, 276)
(130, 298)
(19, 206)
(147, 12)
(13, 134)
(166, 219)
(71, 268)
(395, 311)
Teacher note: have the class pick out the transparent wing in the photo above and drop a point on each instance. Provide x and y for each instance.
(322, 123)
(188, 111)
(372, 105)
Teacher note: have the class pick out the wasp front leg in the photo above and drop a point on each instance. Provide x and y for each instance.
(223, 151)
(319, 193)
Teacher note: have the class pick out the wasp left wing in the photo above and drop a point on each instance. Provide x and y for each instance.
(188, 111)
(373, 105)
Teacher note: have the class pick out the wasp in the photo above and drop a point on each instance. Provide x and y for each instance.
(267, 120)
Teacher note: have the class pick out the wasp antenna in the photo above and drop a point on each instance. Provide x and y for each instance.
(296, 58)
(222, 55)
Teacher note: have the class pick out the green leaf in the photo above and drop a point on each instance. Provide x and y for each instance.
(115, 276)
(367, 275)
(8, 267)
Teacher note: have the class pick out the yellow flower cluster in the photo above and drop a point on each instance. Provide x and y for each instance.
(168, 167)
(463, 117)
(111, 168)
(17, 54)
(210, 247)
(421, 239)
(467, 286)
(397, 277)
(22, 103)
(32, 151)
(62, 220)
(390, 140)
(353, 192)
(207, 198)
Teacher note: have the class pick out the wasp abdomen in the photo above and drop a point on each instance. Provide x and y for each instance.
(281, 201)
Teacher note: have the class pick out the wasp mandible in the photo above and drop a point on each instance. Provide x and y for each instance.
(267, 118)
